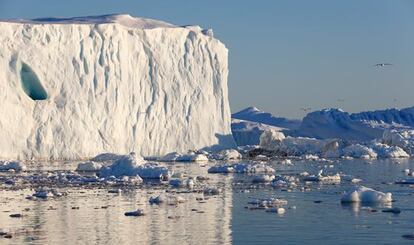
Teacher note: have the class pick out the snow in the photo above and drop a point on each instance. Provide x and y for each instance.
(366, 195)
(359, 151)
(88, 166)
(263, 178)
(226, 155)
(113, 83)
(402, 138)
(253, 114)
(271, 139)
(390, 116)
(177, 157)
(312, 149)
(248, 133)
(131, 165)
(336, 123)
(386, 151)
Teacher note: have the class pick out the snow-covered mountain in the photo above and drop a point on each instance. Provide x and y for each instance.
(75, 87)
(253, 114)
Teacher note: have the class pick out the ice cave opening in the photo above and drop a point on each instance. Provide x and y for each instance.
(31, 83)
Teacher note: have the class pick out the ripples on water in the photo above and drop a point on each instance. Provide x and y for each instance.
(221, 219)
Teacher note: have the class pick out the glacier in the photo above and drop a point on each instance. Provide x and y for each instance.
(72, 88)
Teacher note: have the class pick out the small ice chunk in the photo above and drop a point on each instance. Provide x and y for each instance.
(105, 157)
(170, 200)
(269, 202)
(221, 169)
(43, 193)
(211, 191)
(88, 166)
(177, 157)
(157, 200)
(311, 157)
(12, 165)
(226, 155)
(366, 195)
(263, 178)
(138, 212)
(130, 165)
(189, 183)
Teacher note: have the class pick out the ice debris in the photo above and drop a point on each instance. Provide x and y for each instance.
(242, 168)
(12, 165)
(130, 165)
(366, 195)
(88, 166)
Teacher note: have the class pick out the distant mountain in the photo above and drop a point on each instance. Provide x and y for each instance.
(253, 114)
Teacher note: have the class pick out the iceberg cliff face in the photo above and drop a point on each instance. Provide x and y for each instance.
(73, 88)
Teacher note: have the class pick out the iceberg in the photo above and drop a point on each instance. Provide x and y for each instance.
(112, 83)
(367, 196)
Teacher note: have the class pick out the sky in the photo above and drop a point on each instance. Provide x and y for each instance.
(285, 55)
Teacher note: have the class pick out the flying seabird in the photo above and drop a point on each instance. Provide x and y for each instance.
(383, 64)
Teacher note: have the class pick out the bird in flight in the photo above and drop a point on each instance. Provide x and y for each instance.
(306, 109)
(383, 64)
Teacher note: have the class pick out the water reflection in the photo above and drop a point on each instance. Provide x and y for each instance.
(100, 217)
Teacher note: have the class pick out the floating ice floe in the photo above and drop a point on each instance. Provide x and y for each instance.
(177, 157)
(263, 178)
(366, 195)
(276, 210)
(105, 157)
(285, 181)
(130, 165)
(359, 151)
(323, 178)
(179, 183)
(46, 193)
(170, 199)
(88, 166)
(226, 155)
(12, 165)
(403, 138)
(242, 168)
(386, 151)
(269, 202)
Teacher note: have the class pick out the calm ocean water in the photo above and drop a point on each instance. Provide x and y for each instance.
(94, 216)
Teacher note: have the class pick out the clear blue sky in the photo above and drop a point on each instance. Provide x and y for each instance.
(286, 54)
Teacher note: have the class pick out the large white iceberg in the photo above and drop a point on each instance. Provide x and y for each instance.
(74, 88)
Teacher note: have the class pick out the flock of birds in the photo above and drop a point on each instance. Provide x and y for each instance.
(308, 109)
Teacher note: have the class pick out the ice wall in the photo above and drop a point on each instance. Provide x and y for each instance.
(73, 88)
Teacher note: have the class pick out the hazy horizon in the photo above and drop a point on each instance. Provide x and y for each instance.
(287, 55)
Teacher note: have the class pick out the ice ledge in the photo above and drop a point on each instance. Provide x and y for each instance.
(122, 19)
